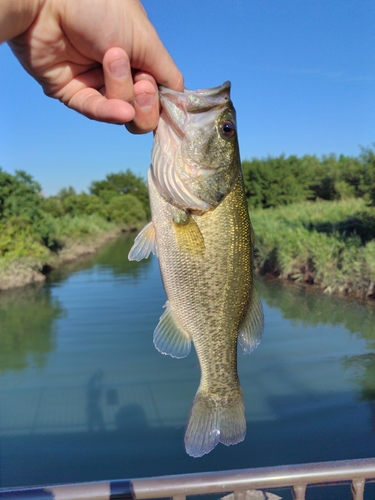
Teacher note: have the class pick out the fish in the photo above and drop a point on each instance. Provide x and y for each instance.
(200, 231)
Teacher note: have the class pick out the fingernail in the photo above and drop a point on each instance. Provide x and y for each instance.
(145, 100)
(119, 68)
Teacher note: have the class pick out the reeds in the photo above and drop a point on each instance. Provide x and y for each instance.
(329, 243)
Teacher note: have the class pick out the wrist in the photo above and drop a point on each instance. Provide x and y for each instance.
(16, 16)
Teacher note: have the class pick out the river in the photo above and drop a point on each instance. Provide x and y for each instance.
(85, 396)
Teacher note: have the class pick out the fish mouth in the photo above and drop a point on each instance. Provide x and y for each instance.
(197, 101)
(178, 105)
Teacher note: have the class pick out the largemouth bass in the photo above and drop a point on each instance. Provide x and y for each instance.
(201, 233)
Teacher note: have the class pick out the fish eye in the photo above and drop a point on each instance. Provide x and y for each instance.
(227, 129)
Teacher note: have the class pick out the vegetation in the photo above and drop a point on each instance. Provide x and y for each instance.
(120, 198)
(272, 182)
(314, 219)
(327, 243)
(36, 231)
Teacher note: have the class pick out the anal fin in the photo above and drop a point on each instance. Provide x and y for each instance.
(169, 338)
(144, 243)
(251, 329)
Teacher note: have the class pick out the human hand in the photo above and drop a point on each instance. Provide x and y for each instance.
(102, 58)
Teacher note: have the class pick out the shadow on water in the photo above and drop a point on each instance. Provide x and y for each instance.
(128, 418)
(117, 412)
(134, 448)
(95, 419)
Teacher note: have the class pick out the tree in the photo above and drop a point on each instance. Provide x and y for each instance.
(122, 183)
(21, 210)
(20, 196)
(275, 181)
(126, 209)
(368, 179)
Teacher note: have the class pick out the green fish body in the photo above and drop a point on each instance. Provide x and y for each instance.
(202, 235)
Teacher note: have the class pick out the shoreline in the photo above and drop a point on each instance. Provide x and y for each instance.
(27, 270)
(364, 294)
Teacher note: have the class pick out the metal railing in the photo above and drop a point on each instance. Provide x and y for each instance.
(245, 483)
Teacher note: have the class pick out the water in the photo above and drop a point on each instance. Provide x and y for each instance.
(85, 396)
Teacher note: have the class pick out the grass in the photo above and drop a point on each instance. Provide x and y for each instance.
(24, 258)
(81, 227)
(328, 243)
(331, 244)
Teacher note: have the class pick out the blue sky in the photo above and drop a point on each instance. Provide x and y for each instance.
(302, 74)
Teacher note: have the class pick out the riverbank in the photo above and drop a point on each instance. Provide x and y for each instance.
(329, 244)
(26, 270)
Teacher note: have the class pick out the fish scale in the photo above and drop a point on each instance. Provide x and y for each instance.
(201, 232)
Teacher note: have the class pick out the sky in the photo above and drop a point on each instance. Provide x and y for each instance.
(302, 74)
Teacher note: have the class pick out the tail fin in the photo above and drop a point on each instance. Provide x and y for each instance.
(210, 424)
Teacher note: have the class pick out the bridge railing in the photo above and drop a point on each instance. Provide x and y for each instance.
(244, 484)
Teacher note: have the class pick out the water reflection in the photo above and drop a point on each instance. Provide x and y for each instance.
(27, 326)
(308, 306)
(104, 403)
(131, 419)
(114, 256)
(363, 368)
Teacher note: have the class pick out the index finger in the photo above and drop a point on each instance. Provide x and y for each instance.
(156, 60)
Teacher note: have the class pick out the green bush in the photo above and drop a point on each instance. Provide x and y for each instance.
(18, 239)
(276, 181)
(83, 204)
(367, 183)
(126, 209)
(80, 227)
(74, 205)
(20, 196)
(328, 243)
(120, 184)
(32, 226)
(21, 213)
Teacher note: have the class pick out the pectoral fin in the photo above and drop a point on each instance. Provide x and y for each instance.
(169, 338)
(144, 244)
(251, 330)
(188, 235)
